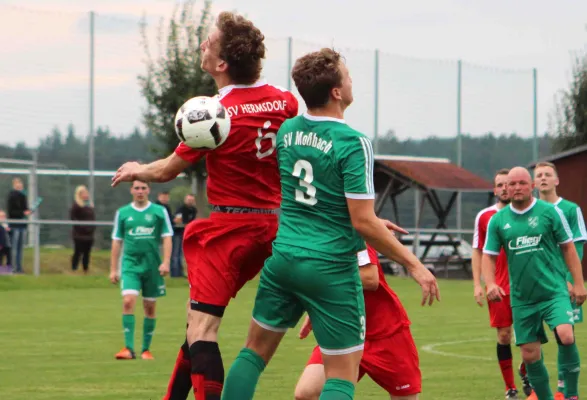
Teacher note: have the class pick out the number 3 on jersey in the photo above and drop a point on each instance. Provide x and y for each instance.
(309, 196)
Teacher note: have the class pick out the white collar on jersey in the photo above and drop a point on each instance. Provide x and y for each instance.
(226, 89)
(322, 118)
(140, 209)
(524, 211)
(556, 203)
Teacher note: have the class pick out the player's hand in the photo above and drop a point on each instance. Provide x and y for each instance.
(126, 173)
(579, 293)
(478, 293)
(306, 328)
(393, 227)
(164, 269)
(114, 278)
(494, 292)
(427, 282)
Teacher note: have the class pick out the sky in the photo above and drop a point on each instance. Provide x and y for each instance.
(44, 60)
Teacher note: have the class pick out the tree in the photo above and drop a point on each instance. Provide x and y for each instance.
(571, 110)
(175, 76)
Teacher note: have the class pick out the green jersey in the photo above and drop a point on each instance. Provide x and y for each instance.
(141, 229)
(574, 217)
(531, 241)
(322, 162)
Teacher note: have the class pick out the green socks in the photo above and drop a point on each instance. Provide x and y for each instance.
(538, 376)
(338, 389)
(569, 365)
(243, 376)
(148, 330)
(128, 326)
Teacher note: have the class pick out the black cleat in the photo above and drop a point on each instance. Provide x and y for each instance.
(511, 394)
(527, 388)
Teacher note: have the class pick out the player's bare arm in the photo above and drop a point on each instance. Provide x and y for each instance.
(574, 265)
(167, 246)
(114, 258)
(369, 277)
(162, 170)
(476, 267)
(375, 232)
(494, 292)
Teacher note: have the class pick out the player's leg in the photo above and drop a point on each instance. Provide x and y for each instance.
(393, 363)
(500, 315)
(153, 286)
(558, 314)
(130, 285)
(76, 254)
(180, 382)
(276, 309)
(233, 252)
(529, 333)
(313, 378)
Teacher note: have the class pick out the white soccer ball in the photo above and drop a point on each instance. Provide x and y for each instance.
(202, 123)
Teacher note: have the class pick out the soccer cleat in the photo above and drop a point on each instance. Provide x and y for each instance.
(527, 388)
(559, 396)
(511, 394)
(125, 354)
(147, 355)
(532, 396)
(573, 398)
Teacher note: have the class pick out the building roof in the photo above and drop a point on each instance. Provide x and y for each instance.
(558, 156)
(434, 173)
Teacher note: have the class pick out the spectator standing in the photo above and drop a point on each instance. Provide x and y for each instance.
(82, 235)
(5, 244)
(185, 214)
(17, 208)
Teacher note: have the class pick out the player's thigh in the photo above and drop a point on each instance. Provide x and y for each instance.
(221, 260)
(500, 313)
(558, 314)
(130, 279)
(276, 307)
(336, 308)
(393, 363)
(528, 325)
(577, 313)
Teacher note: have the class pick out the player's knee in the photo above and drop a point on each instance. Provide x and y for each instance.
(564, 335)
(202, 326)
(128, 304)
(530, 353)
(306, 393)
(504, 335)
(149, 307)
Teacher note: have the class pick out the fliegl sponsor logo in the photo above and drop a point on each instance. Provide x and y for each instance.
(141, 231)
(525, 243)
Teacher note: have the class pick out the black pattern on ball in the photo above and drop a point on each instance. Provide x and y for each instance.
(198, 115)
(215, 131)
(179, 126)
(221, 113)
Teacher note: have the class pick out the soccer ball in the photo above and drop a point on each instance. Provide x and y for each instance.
(202, 123)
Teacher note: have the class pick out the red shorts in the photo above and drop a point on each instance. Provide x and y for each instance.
(224, 252)
(391, 362)
(500, 313)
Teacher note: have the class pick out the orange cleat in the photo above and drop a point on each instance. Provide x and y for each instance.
(125, 354)
(147, 355)
(559, 396)
(532, 396)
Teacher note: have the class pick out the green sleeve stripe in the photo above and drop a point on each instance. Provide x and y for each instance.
(368, 151)
(581, 223)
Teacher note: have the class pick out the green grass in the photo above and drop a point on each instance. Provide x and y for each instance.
(58, 335)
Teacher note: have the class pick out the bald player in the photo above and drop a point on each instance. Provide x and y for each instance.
(539, 247)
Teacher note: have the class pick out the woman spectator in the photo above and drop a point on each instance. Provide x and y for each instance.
(83, 235)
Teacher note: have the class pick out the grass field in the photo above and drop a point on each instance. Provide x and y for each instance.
(58, 335)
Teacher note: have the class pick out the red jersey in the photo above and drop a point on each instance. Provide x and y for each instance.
(501, 267)
(243, 171)
(385, 314)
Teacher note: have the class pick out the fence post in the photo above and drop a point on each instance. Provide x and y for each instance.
(459, 140)
(289, 61)
(535, 148)
(91, 116)
(376, 105)
(36, 228)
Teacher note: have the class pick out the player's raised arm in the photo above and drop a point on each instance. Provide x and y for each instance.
(162, 170)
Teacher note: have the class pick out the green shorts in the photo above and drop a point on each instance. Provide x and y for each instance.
(140, 275)
(577, 312)
(528, 319)
(295, 280)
